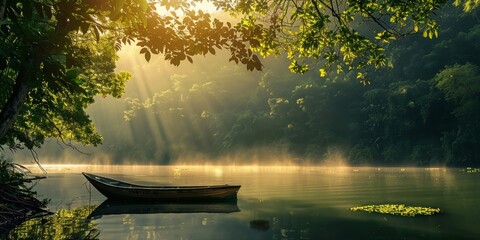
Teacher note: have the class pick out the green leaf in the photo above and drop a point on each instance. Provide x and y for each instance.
(144, 19)
(148, 56)
(84, 27)
(118, 6)
(212, 50)
(322, 72)
(143, 5)
(96, 32)
(72, 73)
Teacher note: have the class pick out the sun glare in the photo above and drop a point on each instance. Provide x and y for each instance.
(204, 6)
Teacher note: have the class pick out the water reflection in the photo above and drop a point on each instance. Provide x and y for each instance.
(269, 219)
(109, 207)
(272, 219)
(260, 224)
(178, 222)
(64, 224)
(286, 203)
(303, 219)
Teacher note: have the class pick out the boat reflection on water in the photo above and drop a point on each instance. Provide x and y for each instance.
(110, 207)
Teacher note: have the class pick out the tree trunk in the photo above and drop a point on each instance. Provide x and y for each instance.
(3, 6)
(14, 104)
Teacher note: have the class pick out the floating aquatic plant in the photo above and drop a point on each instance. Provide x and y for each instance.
(397, 209)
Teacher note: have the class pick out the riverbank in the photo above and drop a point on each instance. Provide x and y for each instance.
(18, 204)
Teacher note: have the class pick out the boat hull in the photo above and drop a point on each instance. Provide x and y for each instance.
(117, 190)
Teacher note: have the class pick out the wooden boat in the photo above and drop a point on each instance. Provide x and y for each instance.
(110, 207)
(118, 190)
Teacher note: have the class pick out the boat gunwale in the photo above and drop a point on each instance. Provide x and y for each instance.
(104, 181)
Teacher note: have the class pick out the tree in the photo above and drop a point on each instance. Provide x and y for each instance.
(328, 35)
(56, 56)
(49, 55)
(461, 86)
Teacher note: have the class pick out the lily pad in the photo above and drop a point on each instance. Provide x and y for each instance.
(398, 209)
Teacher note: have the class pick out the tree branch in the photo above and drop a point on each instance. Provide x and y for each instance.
(15, 102)
(316, 7)
(379, 22)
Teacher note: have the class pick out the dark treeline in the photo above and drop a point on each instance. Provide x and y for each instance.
(423, 111)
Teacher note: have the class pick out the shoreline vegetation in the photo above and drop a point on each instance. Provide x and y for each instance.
(18, 203)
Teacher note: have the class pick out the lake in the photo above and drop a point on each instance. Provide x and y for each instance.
(274, 202)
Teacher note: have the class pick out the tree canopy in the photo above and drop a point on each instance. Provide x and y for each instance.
(57, 55)
(330, 35)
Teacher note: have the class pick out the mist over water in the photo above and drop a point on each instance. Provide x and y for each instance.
(266, 156)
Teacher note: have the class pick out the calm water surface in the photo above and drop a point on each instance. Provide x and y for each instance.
(274, 203)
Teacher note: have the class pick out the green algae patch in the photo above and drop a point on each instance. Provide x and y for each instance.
(398, 209)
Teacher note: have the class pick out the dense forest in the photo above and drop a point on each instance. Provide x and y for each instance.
(423, 111)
